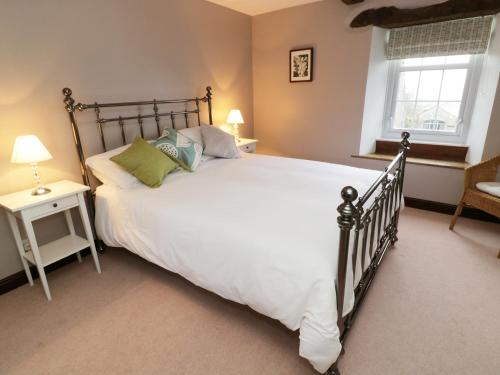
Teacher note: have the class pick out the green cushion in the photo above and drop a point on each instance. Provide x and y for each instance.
(145, 162)
(180, 149)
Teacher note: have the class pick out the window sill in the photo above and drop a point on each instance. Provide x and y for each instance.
(419, 161)
(426, 151)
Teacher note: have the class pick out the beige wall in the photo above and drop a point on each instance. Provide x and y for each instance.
(492, 145)
(108, 50)
(322, 120)
(319, 120)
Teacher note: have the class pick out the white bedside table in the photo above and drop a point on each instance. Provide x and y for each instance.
(247, 145)
(28, 208)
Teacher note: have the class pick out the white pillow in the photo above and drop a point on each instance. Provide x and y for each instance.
(110, 173)
(193, 134)
(218, 143)
(492, 188)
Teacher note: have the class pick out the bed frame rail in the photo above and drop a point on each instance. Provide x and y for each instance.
(137, 119)
(366, 233)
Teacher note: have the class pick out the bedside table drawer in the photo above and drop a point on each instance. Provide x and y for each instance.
(251, 148)
(52, 207)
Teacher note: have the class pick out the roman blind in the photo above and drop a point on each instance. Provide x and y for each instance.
(458, 37)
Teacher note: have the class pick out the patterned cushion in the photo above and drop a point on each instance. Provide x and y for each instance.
(180, 148)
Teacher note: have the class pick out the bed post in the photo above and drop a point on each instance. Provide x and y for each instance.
(348, 214)
(404, 147)
(346, 220)
(209, 101)
(71, 108)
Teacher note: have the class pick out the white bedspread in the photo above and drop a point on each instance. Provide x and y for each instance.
(259, 230)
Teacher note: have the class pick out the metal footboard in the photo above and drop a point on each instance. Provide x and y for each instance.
(366, 232)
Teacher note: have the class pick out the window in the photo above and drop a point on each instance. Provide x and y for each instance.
(432, 97)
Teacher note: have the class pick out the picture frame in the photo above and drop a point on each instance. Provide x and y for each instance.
(301, 65)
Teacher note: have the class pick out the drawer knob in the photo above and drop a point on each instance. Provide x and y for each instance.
(54, 205)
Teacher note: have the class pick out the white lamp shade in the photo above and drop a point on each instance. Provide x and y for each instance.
(29, 149)
(235, 117)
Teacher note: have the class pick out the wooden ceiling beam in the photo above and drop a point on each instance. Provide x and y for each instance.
(352, 2)
(392, 17)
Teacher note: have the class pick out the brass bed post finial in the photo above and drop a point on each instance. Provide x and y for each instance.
(209, 100)
(68, 100)
(405, 143)
(347, 210)
(346, 221)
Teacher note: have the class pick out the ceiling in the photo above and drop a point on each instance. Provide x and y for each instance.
(254, 7)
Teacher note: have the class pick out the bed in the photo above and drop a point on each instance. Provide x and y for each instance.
(269, 232)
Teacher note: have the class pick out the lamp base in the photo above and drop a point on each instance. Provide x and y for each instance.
(236, 132)
(40, 191)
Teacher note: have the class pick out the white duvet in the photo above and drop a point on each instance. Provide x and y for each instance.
(258, 230)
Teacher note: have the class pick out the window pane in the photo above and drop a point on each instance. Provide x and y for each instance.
(453, 84)
(404, 117)
(460, 59)
(430, 91)
(408, 85)
(425, 114)
(428, 61)
(448, 113)
(430, 82)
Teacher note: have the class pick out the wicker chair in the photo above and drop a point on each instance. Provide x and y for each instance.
(485, 171)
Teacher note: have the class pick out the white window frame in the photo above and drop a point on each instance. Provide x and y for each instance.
(459, 136)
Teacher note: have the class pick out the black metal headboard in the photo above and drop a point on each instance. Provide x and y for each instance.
(157, 108)
(157, 112)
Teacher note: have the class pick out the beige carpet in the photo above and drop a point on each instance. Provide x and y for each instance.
(434, 309)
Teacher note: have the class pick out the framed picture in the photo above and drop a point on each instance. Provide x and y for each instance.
(301, 65)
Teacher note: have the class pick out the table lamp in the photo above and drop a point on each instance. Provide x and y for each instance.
(235, 118)
(29, 150)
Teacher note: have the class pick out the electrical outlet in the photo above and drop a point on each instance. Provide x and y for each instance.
(26, 245)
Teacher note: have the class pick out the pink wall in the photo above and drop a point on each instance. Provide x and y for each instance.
(318, 120)
(492, 145)
(322, 120)
(108, 50)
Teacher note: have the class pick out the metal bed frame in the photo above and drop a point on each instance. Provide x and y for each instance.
(366, 231)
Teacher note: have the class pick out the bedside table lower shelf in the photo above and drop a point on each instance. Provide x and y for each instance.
(59, 249)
